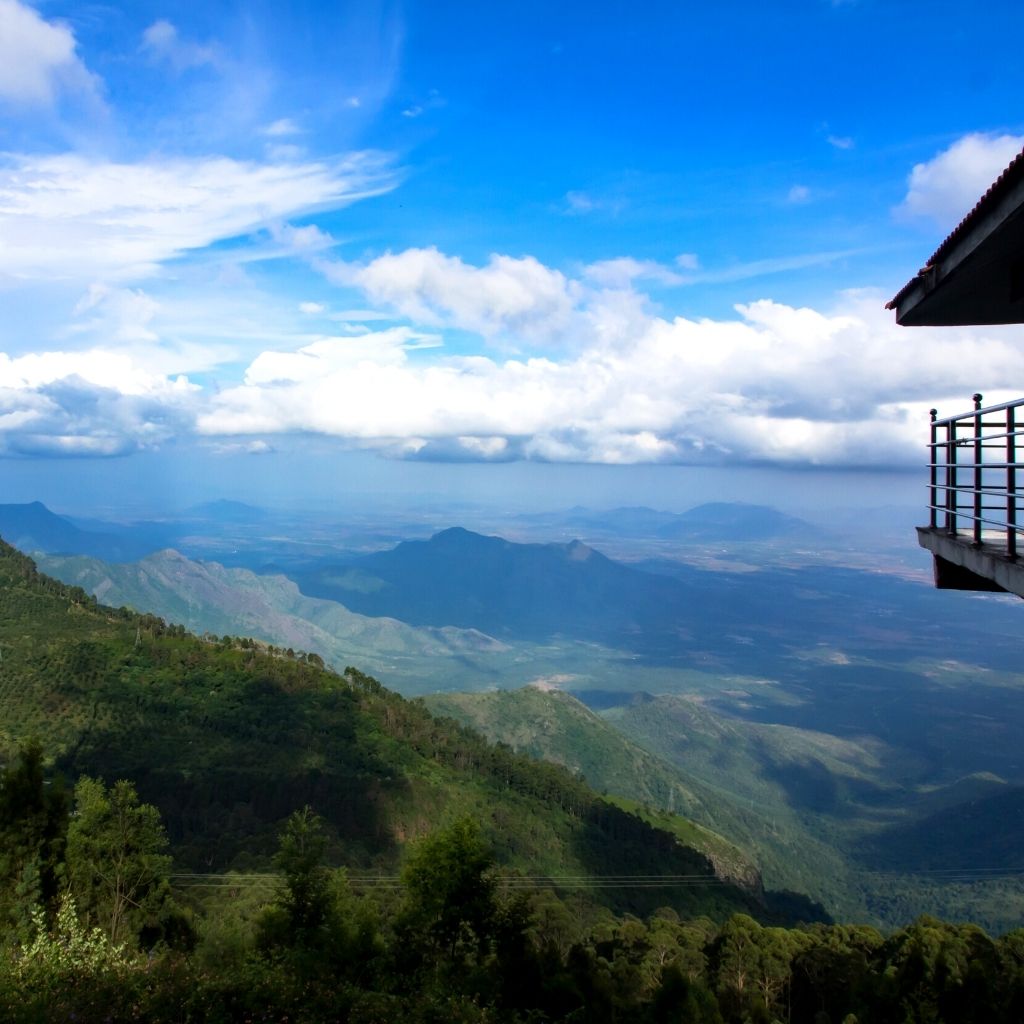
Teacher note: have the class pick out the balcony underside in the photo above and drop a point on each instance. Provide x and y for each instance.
(960, 564)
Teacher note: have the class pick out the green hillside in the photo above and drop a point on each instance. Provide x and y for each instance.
(208, 598)
(841, 818)
(227, 738)
(554, 726)
(810, 811)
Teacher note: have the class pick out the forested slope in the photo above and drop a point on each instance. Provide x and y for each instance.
(227, 737)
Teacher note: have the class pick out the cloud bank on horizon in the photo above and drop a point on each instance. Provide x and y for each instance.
(170, 281)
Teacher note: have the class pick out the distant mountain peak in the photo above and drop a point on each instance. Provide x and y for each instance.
(454, 533)
(168, 555)
(578, 551)
(459, 538)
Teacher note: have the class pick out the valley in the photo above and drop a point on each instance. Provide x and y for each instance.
(818, 717)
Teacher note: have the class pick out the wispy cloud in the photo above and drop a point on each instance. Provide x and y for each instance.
(767, 267)
(281, 127)
(230, 448)
(164, 43)
(432, 101)
(580, 203)
(78, 217)
(622, 272)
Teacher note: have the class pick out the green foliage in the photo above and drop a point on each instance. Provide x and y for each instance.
(69, 972)
(662, 970)
(33, 824)
(450, 889)
(118, 864)
(554, 726)
(229, 738)
(69, 948)
(300, 859)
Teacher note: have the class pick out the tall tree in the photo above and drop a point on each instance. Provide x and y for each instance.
(117, 860)
(450, 890)
(300, 858)
(33, 827)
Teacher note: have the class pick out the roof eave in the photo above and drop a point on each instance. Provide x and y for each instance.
(975, 275)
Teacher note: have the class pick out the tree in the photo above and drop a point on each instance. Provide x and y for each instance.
(450, 890)
(33, 827)
(300, 858)
(117, 860)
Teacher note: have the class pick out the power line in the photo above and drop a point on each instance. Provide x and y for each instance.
(267, 880)
(195, 880)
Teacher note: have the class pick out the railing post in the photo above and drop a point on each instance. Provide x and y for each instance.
(1011, 483)
(977, 467)
(951, 477)
(934, 460)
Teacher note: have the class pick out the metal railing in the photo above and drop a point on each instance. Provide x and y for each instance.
(974, 474)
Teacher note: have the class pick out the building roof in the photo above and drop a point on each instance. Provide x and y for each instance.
(976, 276)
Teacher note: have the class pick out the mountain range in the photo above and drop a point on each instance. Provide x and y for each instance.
(825, 721)
(209, 598)
(227, 738)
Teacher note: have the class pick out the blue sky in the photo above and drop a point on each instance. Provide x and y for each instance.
(248, 237)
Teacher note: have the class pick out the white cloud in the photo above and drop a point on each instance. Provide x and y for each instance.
(101, 367)
(624, 270)
(311, 308)
(163, 43)
(305, 240)
(285, 152)
(38, 62)
(256, 447)
(776, 384)
(123, 314)
(946, 187)
(580, 203)
(687, 261)
(98, 402)
(76, 217)
(841, 141)
(798, 195)
(282, 126)
(334, 355)
(508, 296)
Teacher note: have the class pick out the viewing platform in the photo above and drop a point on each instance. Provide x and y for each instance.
(976, 276)
(974, 502)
